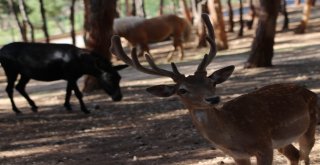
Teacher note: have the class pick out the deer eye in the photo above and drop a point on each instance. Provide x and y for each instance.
(182, 91)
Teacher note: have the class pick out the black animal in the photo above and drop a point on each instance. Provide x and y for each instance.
(50, 62)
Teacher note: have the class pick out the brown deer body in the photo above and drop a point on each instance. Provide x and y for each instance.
(140, 32)
(253, 124)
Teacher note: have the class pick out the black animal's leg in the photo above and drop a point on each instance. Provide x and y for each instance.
(79, 96)
(68, 95)
(21, 88)
(11, 78)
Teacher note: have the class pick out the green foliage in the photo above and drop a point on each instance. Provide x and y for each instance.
(57, 12)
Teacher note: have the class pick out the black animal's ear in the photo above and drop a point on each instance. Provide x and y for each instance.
(222, 75)
(162, 90)
(120, 67)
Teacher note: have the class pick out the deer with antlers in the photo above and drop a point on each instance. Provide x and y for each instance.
(253, 124)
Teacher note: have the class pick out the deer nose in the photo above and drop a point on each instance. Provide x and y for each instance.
(213, 100)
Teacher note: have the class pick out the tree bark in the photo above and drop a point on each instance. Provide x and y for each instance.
(139, 7)
(262, 47)
(128, 8)
(72, 32)
(240, 34)
(25, 17)
(99, 16)
(252, 14)
(305, 17)
(22, 26)
(231, 23)
(215, 10)
(161, 7)
(185, 9)
(285, 14)
(44, 21)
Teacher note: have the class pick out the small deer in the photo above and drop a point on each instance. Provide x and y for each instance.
(253, 124)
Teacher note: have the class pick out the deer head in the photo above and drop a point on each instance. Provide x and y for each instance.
(195, 91)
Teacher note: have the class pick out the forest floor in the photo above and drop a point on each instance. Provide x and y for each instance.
(143, 129)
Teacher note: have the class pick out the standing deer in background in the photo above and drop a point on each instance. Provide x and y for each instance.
(253, 124)
(141, 32)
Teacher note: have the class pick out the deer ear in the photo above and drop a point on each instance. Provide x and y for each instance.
(162, 90)
(222, 75)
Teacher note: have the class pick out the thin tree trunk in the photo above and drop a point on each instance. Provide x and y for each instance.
(285, 14)
(252, 14)
(44, 21)
(139, 5)
(240, 34)
(25, 17)
(161, 7)
(305, 17)
(73, 33)
(99, 15)
(231, 22)
(128, 8)
(262, 47)
(185, 10)
(22, 26)
(297, 2)
(215, 10)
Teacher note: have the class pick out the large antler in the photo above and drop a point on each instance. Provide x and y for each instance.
(117, 49)
(213, 50)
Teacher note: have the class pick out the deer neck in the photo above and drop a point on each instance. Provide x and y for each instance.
(211, 123)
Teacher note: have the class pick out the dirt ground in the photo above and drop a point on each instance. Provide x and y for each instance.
(143, 129)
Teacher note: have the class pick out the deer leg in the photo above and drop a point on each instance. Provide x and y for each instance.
(11, 78)
(242, 161)
(77, 92)
(265, 156)
(21, 88)
(176, 43)
(68, 95)
(291, 153)
(307, 140)
(144, 48)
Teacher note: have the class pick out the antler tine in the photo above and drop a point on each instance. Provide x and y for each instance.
(117, 49)
(211, 39)
(175, 75)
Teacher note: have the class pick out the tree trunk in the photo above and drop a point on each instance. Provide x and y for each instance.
(44, 21)
(305, 17)
(240, 34)
(73, 33)
(262, 46)
(99, 16)
(161, 7)
(22, 26)
(139, 6)
(185, 9)
(25, 17)
(215, 10)
(128, 8)
(297, 2)
(133, 8)
(231, 23)
(285, 14)
(252, 14)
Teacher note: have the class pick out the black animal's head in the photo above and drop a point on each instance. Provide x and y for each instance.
(108, 76)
